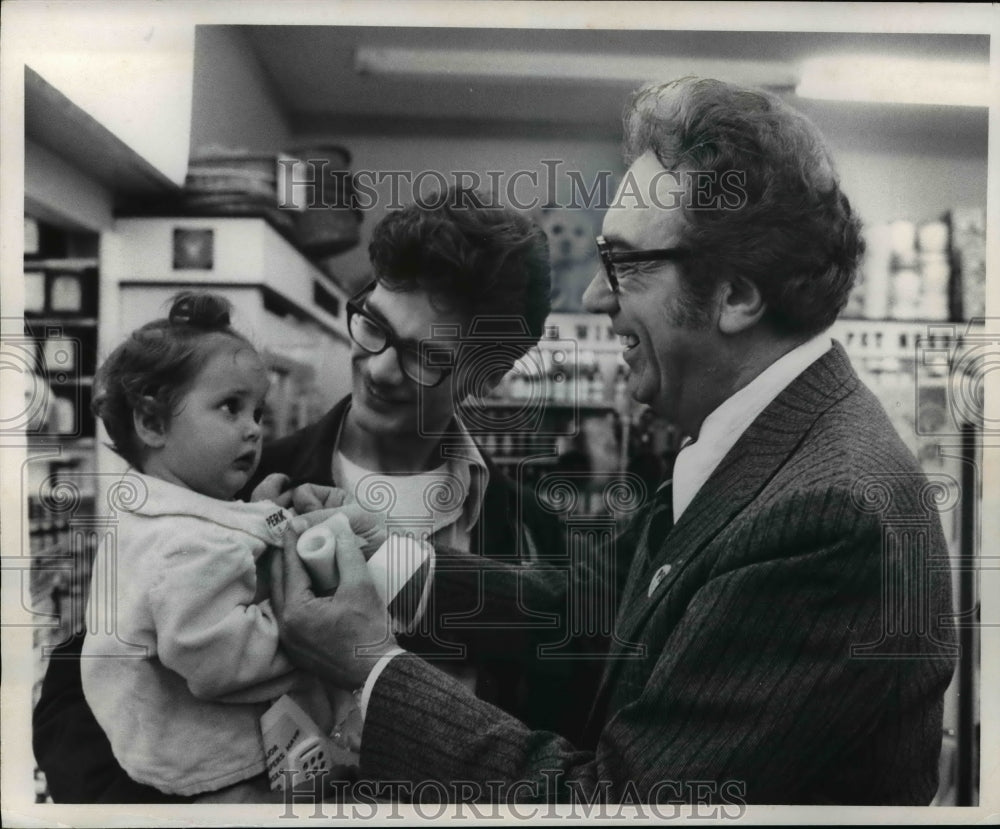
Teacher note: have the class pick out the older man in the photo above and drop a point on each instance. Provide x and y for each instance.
(763, 650)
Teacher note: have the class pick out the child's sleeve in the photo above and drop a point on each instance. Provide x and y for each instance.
(210, 631)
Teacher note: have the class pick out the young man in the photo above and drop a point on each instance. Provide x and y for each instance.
(440, 267)
(774, 642)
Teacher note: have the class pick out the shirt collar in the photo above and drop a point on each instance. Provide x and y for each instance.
(463, 459)
(467, 462)
(698, 459)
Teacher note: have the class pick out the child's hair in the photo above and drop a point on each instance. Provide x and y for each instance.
(150, 371)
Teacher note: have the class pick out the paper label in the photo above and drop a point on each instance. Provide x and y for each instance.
(282, 726)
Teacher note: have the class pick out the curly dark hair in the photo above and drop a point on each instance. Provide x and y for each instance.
(793, 233)
(470, 255)
(151, 371)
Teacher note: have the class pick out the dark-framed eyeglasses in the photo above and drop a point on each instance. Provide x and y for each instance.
(610, 258)
(426, 366)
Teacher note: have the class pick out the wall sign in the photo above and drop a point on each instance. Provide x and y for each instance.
(193, 249)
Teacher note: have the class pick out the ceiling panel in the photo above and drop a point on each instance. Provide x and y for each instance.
(312, 69)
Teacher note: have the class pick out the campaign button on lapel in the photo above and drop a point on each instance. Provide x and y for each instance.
(660, 574)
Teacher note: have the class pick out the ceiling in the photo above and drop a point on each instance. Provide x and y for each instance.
(314, 77)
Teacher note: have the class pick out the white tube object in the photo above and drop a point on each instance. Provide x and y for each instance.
(317, 548)
(390, 568)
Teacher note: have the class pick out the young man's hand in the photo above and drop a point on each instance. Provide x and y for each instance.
(273, 488)
(311, 497)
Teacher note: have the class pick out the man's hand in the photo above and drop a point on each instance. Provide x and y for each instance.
(311, 497)
(368, 526)
(340, 637)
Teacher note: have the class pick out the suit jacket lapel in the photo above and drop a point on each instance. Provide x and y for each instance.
(740, 476)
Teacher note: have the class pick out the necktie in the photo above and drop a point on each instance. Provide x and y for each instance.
(661, 518)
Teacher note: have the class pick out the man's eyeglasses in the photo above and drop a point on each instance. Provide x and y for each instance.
(374, 336)
(610, 258)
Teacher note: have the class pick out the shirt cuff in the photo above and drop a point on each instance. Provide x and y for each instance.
(373, 675)
(426, 591)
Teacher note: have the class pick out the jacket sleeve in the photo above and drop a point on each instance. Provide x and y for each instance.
(754, 689)
(509, 608)
(210, 631)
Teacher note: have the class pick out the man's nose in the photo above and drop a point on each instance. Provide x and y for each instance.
(383, 369)
(598, 298)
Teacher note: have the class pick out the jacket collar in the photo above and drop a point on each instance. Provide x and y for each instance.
(151, 497)
(765, 446)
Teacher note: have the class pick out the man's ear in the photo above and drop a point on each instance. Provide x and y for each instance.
(149, 426)
(492, 380)
(740, 305)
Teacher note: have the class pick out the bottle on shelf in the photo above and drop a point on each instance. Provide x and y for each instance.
(621, 386)
(968, 258)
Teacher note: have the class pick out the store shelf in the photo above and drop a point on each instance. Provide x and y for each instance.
(76, 322)
(864, 338)
(31, 262)
(242, 252)
(514, 460)
(548, 403)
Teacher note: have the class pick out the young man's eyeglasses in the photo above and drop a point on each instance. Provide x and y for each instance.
(427, 366)
(610, 258)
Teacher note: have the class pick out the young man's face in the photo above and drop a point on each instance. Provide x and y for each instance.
(388, 402)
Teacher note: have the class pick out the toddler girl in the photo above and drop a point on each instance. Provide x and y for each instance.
(194, 659)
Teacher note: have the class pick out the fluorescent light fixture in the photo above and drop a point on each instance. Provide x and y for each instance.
(556, 66)
(896, 80)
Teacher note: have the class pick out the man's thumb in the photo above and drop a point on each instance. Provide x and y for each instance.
(351, 564)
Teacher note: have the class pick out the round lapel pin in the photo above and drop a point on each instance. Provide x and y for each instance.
(660, 574)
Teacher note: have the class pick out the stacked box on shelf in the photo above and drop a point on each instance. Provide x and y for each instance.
(60, 327)
(905, 273)
(968, 260)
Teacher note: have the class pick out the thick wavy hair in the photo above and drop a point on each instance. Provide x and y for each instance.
(472, 256)
(151, 371)
(790, 231)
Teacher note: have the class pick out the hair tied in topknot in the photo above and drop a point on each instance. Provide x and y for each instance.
(208, 312)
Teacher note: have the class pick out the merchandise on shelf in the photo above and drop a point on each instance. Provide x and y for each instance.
(968, 260)
(931, 271)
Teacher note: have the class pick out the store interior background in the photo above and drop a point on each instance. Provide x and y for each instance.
(99, 210)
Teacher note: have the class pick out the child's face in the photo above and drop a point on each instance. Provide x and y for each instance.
(213, 441)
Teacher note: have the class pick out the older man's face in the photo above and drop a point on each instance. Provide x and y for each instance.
(670, 353)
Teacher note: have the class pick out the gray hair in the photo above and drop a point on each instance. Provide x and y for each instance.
(791, 231)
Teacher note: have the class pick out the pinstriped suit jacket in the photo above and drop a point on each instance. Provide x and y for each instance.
(797, 651)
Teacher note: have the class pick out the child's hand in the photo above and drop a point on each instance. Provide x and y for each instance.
(273, 488)
(310, 497)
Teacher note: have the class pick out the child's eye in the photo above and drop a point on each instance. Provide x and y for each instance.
(231, 406)
(258, 414)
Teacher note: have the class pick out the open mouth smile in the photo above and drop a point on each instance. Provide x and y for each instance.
(628, 342)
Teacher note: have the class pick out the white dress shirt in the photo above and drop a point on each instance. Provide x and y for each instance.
(698, 459)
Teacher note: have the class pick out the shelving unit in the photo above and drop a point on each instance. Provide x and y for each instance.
(62, 291)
